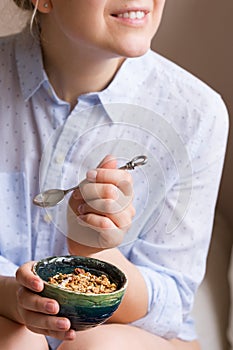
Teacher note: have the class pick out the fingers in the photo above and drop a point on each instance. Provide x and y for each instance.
(103, 207)
(109, 162)
(120, 212)
(68, 335)
(37, 312)
(34, 302)
(28, 279)
(49, 325)
(90, 191)
(102, 204)
(117, 214)
(109, 184)
(113, 186)
(119, 178)
(111, 198)
(109, 235)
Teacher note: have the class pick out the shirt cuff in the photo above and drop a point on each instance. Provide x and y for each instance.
(164, 317)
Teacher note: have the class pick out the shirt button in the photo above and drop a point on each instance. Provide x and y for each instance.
(48, 218)
(50, 91)
(60, 158)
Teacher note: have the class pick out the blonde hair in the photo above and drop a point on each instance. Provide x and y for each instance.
(27, 5)
(24, 4)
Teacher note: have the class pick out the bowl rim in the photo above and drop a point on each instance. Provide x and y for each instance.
(124, 286)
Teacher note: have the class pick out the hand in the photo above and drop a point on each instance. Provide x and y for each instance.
(38, 313)
(101, 211)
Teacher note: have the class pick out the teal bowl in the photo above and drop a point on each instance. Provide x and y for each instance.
(83, 310)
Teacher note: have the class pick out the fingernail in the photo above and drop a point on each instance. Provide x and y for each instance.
(36, 285)
(70, 335)
(62, 324)
(91, 175)
(50, 307)
(80, 209)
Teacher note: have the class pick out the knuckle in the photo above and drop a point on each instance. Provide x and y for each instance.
(126, 187)
(90, 221)
(20, 296)
(20, 273)
(132, 211)
(109, 191)
(26, 317)
(84, 189)
(104, 223)
(128, 177)
(19, 293)
(126, 223)
(108, 206)
(125, 202)
(89, 217)
(47, 323)
(37, 304)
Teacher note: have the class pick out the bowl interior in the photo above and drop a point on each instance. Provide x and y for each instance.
(49, 267)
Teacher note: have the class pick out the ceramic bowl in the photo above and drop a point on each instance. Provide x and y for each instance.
(83, 310)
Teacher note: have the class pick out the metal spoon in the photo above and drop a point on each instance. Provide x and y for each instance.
(52, 197)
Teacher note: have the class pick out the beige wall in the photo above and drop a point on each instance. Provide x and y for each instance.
(198, 35)
(11, 18)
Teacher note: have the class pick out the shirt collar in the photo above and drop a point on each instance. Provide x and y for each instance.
(126, 90)
(121, 91)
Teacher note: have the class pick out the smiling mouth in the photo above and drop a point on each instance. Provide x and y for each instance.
(131, 15)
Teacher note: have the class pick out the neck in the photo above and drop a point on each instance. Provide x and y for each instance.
(73, 72)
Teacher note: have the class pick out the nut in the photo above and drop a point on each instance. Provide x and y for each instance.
(81, 281)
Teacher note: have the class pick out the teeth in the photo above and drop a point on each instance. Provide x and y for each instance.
(132, 15)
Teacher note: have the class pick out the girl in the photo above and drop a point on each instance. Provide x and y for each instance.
(79, 83)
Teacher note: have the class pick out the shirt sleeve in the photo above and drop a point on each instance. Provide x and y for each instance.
(173, 261)
(7, 268)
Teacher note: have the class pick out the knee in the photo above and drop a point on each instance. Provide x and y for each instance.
(98, 338)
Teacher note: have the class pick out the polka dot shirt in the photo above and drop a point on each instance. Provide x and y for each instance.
(151, 107)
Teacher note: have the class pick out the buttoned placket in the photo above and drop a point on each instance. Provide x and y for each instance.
(52, 170)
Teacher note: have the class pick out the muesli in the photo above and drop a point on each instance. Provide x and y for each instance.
(81, 281)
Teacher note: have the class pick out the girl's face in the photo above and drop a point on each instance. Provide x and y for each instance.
(110, 27)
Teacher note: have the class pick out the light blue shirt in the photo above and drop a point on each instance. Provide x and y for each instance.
(151, 107)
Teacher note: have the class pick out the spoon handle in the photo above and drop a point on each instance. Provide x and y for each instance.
(71, 189)
(136, 161)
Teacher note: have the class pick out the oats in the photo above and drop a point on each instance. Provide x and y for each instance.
(81, 281)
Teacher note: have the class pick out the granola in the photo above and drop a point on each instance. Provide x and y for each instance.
(81, 281)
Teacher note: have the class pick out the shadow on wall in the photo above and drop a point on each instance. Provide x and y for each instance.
(197, 35)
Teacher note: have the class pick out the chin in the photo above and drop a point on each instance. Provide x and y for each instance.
(136, 52)
(134, 48)
(133, 51)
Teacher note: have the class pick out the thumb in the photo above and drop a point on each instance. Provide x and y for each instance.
(109, 162)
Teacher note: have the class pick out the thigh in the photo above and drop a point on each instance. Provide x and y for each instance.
(184, 345)
(15, 336)
(117, 336)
